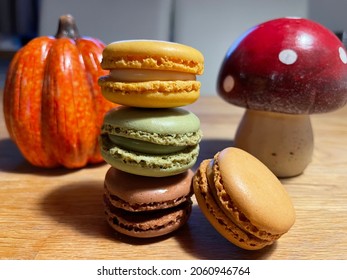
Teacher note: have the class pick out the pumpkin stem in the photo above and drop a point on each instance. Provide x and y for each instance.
(67, 28)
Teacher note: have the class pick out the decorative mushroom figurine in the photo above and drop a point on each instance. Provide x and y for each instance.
(281, 71)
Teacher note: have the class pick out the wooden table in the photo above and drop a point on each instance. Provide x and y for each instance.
(58, 214)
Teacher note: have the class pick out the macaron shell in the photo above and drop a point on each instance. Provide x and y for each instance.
(218, 219)
(152, 94)
(148, 165)
(255, 191)
(152, 54)
(157, 121)
(139, 193)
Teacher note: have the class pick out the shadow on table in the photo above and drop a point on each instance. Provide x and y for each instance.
(209, 147)
(202, 241)
(78, 205)
(12, 161)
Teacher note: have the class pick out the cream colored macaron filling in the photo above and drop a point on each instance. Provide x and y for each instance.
(144, 75)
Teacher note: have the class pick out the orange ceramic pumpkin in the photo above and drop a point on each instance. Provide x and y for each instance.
(53, 105)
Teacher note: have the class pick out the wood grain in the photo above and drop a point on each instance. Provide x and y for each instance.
(58, 213)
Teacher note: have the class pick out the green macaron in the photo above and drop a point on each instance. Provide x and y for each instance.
(150, 142)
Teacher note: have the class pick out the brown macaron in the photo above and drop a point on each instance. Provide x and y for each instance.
(243, 200)
(147, 207)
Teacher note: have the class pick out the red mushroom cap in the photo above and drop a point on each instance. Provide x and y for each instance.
(286, 65)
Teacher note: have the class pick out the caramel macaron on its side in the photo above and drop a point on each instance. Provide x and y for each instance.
(151, 74)
(243, 200)
(146, 207)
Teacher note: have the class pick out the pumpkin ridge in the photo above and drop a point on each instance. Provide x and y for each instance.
(6, 97)
(28, 139)
(91, 53)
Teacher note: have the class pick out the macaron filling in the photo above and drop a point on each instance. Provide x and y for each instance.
(143, 146)
(145, 75)
(138, 207)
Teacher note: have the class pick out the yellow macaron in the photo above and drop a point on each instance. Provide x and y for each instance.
(151, 74)
(243, 200)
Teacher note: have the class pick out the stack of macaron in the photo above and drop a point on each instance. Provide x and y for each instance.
(150, 142)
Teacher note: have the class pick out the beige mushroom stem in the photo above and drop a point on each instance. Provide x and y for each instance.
(283, 142)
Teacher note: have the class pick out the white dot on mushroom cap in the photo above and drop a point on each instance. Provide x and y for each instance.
(343, 55)
(228, 83)
(287, 56)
